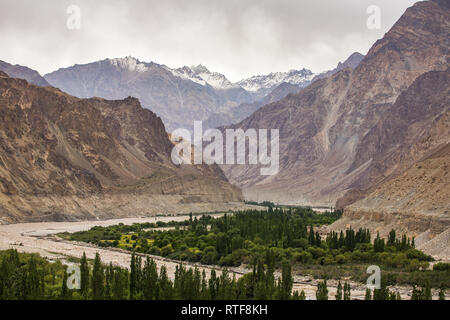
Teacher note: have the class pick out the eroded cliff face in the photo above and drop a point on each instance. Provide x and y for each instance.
(414, 127)
(67, 158)
(415, 202)
(329, 142)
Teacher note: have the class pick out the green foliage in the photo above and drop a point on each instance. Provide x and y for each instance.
(442, 266)
(322, 291)
(30, 277)
(339, 295)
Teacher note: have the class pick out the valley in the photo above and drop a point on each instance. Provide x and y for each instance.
(97, 169)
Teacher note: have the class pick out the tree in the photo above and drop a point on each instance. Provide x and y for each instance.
(64, 288)
(302, 295)
(84, 275)
(378, 244)
(97, 279)
(427, 292)
(442, 293)
(312, 238)
(382, 293)
(204, 289)
(165, 285)
(213, 285)
(368, 295)
(391, 237)
(150, 278)
(416, 293)
(33, 286)
(286, 281)
(347, 291)
(322, 291)
(133, 277)
(338, 295)
(120, 284)
(109, 276)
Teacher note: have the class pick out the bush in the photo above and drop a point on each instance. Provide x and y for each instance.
(340, 258)
(166, 250)
(441, 266)
(209, 256)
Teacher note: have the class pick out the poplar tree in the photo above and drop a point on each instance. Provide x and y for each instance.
(150, 279)
(302, 295)
(441, 293)
(347, 291)
(165, 285)
(322, 291)
(84, 275)
(97, 279)
(368, 295)
(132, 277)
(64, 288)
(427, 292)
(286, 281)
(338, 295)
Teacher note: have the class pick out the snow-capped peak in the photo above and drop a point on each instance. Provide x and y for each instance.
(129, 63)
(263, 82)
(201, 74)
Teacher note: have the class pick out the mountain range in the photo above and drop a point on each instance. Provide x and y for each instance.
(179, 96)
(347, 135)
(371, 136)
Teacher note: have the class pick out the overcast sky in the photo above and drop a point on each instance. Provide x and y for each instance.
(238, 38)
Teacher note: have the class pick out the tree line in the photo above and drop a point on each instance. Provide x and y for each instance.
(30, 277)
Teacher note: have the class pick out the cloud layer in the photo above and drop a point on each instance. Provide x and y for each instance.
(239, 38)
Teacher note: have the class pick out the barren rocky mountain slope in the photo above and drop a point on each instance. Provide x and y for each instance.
(327, 130)
(416, 203)
(411, 129)
(65, 158)
(17, 71)
(351, 62)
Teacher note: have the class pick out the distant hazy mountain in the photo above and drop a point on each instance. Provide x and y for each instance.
(261, 85)
(17, 71)
(244, 110)
(179, 96)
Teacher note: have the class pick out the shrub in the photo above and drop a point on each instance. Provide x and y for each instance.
(441, 266)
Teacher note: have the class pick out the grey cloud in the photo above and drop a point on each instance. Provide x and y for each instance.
(239, 38)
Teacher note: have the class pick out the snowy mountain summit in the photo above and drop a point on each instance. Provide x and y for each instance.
(203, 76)
(129, 63)
(265, 83)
